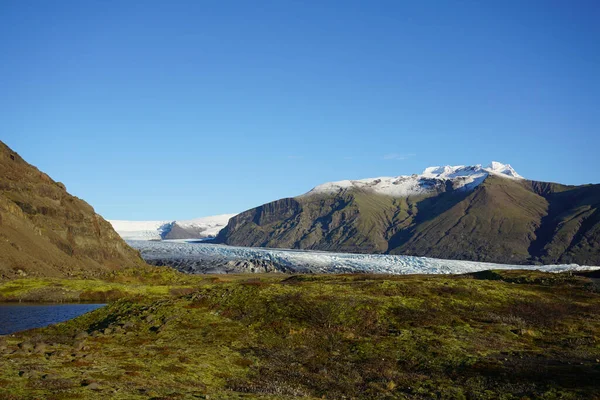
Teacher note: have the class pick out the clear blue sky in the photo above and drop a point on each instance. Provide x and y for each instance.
(180, 109)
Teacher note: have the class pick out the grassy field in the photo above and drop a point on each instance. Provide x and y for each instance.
(142, 283)
(491, 335)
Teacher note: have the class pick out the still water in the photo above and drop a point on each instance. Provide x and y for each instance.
(16, 317)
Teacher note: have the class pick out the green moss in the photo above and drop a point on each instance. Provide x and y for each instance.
(151, 282)
(343, 336)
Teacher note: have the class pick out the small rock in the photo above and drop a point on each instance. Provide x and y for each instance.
(128, 325)
(79, 345)
(40, 348)
(81, 335)
(26, 346)
(61, 353)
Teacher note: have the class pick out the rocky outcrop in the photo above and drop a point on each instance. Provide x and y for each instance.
(44, 231)
(197, 265)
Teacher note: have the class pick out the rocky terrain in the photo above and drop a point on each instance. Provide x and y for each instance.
(465, 213)
(44, 231)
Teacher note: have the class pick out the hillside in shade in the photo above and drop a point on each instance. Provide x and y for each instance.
(44, 231)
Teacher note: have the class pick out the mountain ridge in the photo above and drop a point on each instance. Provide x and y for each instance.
(466, 213)
(460, 176)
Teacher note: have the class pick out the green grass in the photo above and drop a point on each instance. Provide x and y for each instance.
(148, 282)
(78, 290)
(513, 335)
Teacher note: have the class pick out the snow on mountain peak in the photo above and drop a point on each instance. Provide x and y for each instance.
(503, 169)
(199, 228)
(432, 179)
(451, 172)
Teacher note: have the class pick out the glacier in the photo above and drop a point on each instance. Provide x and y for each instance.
(202, 257)
(198, 228)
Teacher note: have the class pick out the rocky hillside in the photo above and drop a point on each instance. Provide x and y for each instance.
(467, 213)
(44, 231)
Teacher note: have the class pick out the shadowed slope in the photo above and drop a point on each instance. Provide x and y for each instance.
(493, 223)
(570, 232)
(44, 231)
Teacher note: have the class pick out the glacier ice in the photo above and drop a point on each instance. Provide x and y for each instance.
(206, 257)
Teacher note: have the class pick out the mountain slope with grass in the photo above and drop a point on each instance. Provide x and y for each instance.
(44, 231)
(468, 213)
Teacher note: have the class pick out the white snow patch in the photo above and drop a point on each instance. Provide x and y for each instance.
(431, 180)
(210, 225)
(141, 230)
(156, 230)
(504, 170)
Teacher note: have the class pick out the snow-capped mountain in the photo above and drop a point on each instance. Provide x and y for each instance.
(430, 180)
(475, 213)
(198, 228)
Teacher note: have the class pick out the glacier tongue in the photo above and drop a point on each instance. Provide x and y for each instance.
(213, 258)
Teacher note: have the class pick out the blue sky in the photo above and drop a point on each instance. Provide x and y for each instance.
(174, 110)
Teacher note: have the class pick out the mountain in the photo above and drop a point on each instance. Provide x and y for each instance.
(44, 231)
(472, 213)
(199, 228)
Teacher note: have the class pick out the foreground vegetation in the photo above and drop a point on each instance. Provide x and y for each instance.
(144, 282)
(492, 335)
